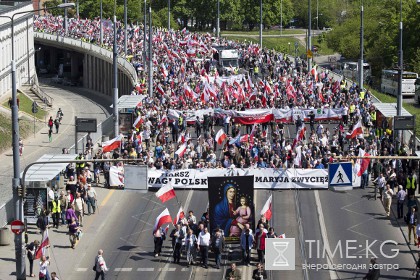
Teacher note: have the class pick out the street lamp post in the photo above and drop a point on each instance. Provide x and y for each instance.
(169, 15)
(218, 19)
(289, 48)
(261, 21)
(281, 18)
(361, 49)
(125, 28)
(144, 39)
(18, 200)
(400, 69)
(309, 34)
(115, 73)
(150, 53)
(101, 34)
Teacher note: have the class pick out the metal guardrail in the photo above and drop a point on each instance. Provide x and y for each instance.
(93, 49)
(38, 91)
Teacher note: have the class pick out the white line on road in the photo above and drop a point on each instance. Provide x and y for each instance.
(81, 269)
(333, 273)
(124, 269)
(146, 269)
(165, 269)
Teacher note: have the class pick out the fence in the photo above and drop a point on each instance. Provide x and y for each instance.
(104, 129)
(38, 91)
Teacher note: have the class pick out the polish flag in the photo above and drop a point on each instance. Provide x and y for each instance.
(165, 193)
(220, 136)
(166, 230)
(244, 138)
(314, 73)
(188, 91)
(179, 216)
(112, 144)
(181, 151)
(266, 210)
(137, 123)
(282, 236)
(160, 89)
(299, 135)
(163, 218)
(163, 70)
(191, 53)
(44, 244)
(250, 84)
(357, 130)
(364, 162)
(267, 88)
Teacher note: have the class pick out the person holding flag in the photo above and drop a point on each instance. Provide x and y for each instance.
(158, 233)
(159, 236)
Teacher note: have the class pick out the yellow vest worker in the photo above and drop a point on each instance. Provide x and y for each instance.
(362, 95)
(373, 116)
(56, 206)
(80, 165)
(411, 184)
(256, 70)
(352, 108)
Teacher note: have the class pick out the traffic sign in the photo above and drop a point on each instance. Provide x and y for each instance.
(17, 226)
(309, 53)
(340, 175)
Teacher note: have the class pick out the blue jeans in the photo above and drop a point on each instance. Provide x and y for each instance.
(217, 256)
(63, 217)
(364, 180)
(91, 203)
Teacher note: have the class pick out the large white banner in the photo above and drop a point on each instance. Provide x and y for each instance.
(266, 178)
(116, 176)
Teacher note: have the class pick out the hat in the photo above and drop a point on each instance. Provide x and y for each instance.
(400, 187)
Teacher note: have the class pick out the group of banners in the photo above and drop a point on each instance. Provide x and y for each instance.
(252, 116)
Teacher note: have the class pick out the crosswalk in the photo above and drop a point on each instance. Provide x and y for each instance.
(153, 269)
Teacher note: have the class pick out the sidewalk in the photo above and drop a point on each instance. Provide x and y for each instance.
(81, 104)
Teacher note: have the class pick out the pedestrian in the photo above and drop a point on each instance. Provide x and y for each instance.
(411, 220)
(418, 235)
(380, 181)
(50, 123)
(54, 276)
(374, 271)
(73, 232)
(31, 249)
(247, 239)
(271, 233)
(91, 199)
(50, 135)
(260, 237)
(57, 125)
(259, 273)
(416, 271)
(70, 214)
(218, 245)
(233, 273)
(56, 211)
(20, 147)
(388, 193)
(100, 265)
(42, 222)
(400, 201)
(190, 246)
(79, 208)
(159, 236)
(43, 268)
(63, 205)
(177, 236)
(203, 246)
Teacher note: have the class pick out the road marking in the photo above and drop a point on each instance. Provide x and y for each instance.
(185, 269)
(81, 269)
(165, 269)
(107, 197)
(124, 269)
(146, 269)
(333, 273)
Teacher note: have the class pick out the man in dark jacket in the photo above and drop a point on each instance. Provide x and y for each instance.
(218, 244)
(411, 220)
(374, 271)
(177, 235)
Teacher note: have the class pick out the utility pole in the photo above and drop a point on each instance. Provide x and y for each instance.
(218, 19)
(101, 32)
(169, 15)
(150, 54)
(115, 73)
(125, 28)
(361, 49)
(281, 18)
(261, 22)
(144, 39)
(309, 35)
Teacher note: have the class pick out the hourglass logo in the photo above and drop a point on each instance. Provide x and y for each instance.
(280, 254)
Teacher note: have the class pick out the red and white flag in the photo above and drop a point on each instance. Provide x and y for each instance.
(314, 73)
(266, 210)
(282, 236)
(220, 136)
(112, 144)
(165, 193)
(160, 89)
(166, 230)
(163, 70)
(181, 150)
(163, 218)
(179, 216)
(137, 123)
(357, 130)
(299, 135)
(44, 244)
(364, 162)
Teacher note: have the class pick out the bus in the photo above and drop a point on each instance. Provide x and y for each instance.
(350, 70)
(389, 82)
(417, 94)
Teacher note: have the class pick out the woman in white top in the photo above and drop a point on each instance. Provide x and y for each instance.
(43, 268)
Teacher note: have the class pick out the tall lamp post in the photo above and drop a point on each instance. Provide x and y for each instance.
(361, 49)
(125, 28)
(101, 32)
(218, 19)
(115, 73)
(150, 53)
(18, 199)
(144, 38)
(281, 18)
(400, 69)
(261, 22)
(169, 15)
(309, 34)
